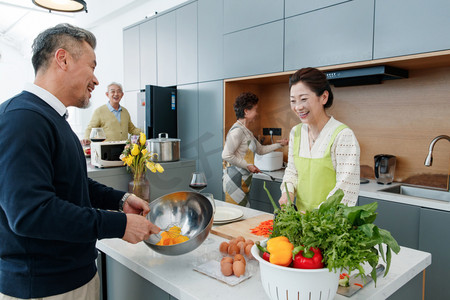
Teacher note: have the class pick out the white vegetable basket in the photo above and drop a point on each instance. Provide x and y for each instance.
(283, 283)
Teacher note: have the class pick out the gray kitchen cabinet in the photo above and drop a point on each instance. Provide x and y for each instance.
(402, 221)
(253, 51)
(258, 196)
(295, 7)
(166, 45)
(131, 63)
(210, 40)
(338, 34)
(405, 27)
(434, 238)
(210, 134)
(147, 51)
(186, 44)
(188, 120)
(240, 14)
(122, 283)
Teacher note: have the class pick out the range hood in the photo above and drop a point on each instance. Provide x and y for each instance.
(362, 76)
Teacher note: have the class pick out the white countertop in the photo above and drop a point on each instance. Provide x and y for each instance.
(175, 274)
(371, 190)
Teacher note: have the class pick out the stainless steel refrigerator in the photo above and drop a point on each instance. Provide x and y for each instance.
(157, 108)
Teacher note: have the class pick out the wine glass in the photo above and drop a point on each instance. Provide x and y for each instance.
(97, 135)
(198, 181)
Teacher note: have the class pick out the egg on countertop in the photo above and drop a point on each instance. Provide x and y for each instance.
(226, 268)
(238, 268)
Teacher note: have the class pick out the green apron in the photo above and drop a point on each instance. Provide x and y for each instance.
(316, 176)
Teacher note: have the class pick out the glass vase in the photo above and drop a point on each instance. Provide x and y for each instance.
(140, 186)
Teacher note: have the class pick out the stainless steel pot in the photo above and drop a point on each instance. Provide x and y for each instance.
(168, 149)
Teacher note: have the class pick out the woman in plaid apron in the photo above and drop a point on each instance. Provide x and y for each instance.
(239, 151)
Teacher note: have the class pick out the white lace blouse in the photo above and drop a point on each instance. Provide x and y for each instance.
(345, 155)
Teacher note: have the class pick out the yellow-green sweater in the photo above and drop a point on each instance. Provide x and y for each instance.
(114, 130)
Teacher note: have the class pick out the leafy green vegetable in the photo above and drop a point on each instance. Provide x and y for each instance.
(346, 235)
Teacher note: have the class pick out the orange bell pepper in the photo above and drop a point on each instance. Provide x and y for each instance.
(280, 250)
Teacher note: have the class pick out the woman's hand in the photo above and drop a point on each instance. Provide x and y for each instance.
(283, 142)
(253, 169)
(284, 199)
(136, 205)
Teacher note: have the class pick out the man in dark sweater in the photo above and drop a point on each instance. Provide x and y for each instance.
(51, 213)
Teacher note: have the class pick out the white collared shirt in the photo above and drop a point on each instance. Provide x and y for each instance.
(47, 97)
(114, 111)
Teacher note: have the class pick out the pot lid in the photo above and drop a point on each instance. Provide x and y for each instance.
(164, 139)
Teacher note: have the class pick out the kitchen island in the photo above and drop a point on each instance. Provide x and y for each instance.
(137, 272)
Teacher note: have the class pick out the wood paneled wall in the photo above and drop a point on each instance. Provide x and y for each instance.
(398, 117)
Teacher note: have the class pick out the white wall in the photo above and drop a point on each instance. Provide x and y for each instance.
(109, 51)
(106, 19)
(15, 70)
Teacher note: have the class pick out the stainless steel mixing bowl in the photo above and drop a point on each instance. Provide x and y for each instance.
(192, 211)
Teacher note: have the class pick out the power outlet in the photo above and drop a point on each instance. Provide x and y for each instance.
(275, 131)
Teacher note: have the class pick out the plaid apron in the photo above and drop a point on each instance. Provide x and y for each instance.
(236, 180)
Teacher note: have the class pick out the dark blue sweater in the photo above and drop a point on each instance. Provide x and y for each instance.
(50, 217)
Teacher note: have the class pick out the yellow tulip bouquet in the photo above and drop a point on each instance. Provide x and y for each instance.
(137, 159)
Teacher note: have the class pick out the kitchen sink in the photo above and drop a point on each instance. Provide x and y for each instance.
(423, 192)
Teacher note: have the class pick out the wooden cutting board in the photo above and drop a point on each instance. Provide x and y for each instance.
(242, 228)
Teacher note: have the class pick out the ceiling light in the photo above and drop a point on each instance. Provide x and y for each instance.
(62, 5)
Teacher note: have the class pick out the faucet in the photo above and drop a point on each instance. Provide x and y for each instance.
(429, 160)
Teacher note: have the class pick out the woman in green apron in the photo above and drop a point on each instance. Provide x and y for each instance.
(239, 151)
(323, 152)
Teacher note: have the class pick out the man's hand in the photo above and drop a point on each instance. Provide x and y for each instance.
(138, 229)
(135, 205)
(85, 142)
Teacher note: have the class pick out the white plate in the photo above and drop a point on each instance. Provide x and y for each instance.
(226, 214)
(227, 221)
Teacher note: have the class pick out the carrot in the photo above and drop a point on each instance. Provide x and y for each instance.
(358, 284)
(263, 229)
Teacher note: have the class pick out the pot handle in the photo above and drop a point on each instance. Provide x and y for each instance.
(160, 135)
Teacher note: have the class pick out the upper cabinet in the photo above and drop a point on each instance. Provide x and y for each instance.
(166, 44)
(295, 7)
(256, 50)
(240, 14)
(405, 27)
(210, 40)
(334, 35)
(131, 62)
(204, 40)
(187, 44)
(147, 49)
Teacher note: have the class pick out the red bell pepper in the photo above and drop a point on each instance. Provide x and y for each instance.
(266, 254)
(307, 259)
